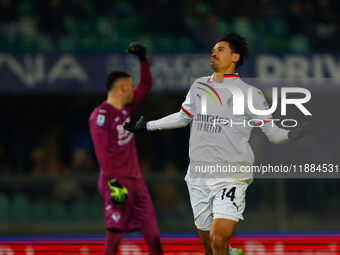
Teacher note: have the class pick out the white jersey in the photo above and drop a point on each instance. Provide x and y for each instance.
(219, 139)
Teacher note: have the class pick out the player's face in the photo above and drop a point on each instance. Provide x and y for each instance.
(222, 58)
(128, 91)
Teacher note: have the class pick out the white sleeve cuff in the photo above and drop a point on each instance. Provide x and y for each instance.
(274, 133)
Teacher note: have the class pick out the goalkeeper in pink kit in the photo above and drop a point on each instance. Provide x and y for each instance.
(126, 201)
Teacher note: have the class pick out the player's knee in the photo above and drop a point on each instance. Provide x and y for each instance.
(219, 241)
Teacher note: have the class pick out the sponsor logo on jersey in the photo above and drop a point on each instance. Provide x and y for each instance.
(124, 136)
(210, 123)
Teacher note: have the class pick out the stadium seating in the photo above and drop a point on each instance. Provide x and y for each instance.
(109, 28)
(20, 208)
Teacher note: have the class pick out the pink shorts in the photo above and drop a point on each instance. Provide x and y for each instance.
(135, 213)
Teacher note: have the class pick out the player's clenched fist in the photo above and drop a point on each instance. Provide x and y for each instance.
(136, 126)
(118, 193)
(137, 49)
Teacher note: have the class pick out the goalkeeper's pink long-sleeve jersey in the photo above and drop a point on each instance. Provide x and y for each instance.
(114, 146)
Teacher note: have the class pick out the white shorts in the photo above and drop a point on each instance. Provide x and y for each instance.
(225, 200)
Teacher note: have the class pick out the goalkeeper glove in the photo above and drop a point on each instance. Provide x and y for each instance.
(300, 131)
(136, 126)
(137, 49)
(118, 193)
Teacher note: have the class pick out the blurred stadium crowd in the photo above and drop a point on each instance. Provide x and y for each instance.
(93, 26)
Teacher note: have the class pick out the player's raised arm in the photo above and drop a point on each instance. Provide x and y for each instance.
(145, 82)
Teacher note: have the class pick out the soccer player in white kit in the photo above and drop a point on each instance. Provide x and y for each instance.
(219, 139)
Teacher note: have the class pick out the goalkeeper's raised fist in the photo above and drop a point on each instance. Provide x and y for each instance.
(299, 131)
(136, 126)
(118, 193)
(137, 49)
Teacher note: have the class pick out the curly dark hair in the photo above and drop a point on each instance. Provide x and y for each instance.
(237, 44)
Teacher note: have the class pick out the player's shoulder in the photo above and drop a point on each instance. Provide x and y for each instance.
(103, 108)
(202, 79)
(100, 114)
(246, 86)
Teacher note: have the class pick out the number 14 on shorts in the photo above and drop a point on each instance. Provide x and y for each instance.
(229, 194)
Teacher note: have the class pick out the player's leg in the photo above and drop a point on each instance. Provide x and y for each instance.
(112, 241)
(228, 206)
(206, 242)
(116, 216)
(220, 233)
(201, 199)
(152, 238)
(144, 218)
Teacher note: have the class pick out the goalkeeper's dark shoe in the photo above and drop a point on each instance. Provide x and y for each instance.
(118, 193)
(136, 126)
(299, 131)
(137, 49)
(239, 251)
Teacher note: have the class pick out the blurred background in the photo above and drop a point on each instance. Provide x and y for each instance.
(55, 54)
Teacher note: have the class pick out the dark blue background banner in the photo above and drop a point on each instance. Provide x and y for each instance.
(68, 73)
